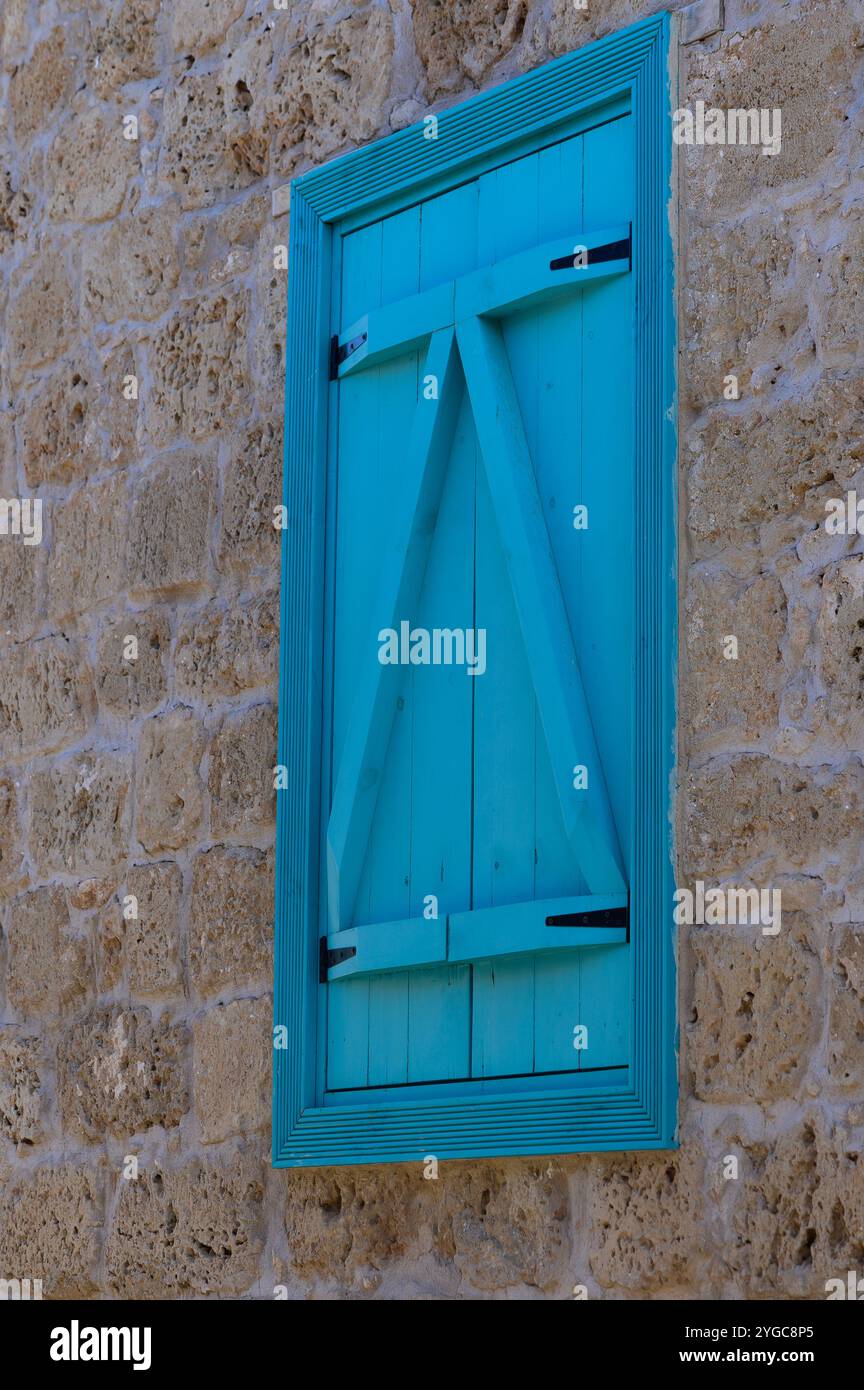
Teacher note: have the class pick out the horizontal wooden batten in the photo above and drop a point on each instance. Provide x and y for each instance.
(526, 280)
(517, 282)
(521, 929)
(397, 328)
(386, 946)
(488, 933)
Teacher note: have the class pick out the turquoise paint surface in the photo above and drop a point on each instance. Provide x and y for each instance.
(472, 789)
(455, 785)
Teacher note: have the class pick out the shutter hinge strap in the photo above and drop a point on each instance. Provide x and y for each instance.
(340, 352)
(327, 958)
(604, 917)
(596, 255)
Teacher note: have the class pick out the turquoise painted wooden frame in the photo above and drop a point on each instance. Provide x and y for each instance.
(631, 70)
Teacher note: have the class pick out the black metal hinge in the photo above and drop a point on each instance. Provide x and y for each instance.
(327, 958)
(603, 917)
(340, 353)
(596, 255)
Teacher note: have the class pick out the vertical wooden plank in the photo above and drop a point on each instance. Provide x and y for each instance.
(607, 443)
(558, 464)
(505, 723)
(358, 455)
(328, 657)
(388, 1029)
(439, 1001)
(607, 573)
(384, 891)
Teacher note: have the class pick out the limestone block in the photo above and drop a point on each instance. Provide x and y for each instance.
(108, 943)
(253, 483)
(16, 206)
(195, 1230)
(81, 418)
(572, 28)
(22, 586)
(700, 19)
(838, 299)
(45, 696)
(130, 269)
(39, 87)
(242, 760)
(15, 31)
(838, 1202)
(268, 343)
(51, 1229)
(22, 1101)
(240, 223)
(197, 25)
(85, 566)
(231, 919)
(60, 435)
(42, 311)
(196, 160)
(502, 1227)
(91, 893)
(741, 810)
(232, 1067)
(89, 166)
(198, 362)
(756, 1016)
(647, 1221)
(798, 1216)
(119, 410)
(740, 694)
(79, 813)
(749, 467)
(772, 1223)
(126, 684)
(840, 640)
(465, 39)
(12, 872)
(122, 47)
(741, 306)
(247, 76)
(168, 786)
(153, 945)
(802, 62)
(197, 241)
(236, 263)
(338, 1220)
(8, 455)
(499, 1226)
(110, 947)
(119, 1072)
(329, 90)
(281, 202)
(172, 505)
(48, 968)
(846, 1018)
(224, 652)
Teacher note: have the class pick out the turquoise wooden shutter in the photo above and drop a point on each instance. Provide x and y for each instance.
(482, 408)
(474, 937)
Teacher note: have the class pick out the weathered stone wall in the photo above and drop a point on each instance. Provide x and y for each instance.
(153, 259)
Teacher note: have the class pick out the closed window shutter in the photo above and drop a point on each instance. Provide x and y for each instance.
(476, 836)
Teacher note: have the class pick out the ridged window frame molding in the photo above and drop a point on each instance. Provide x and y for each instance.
(635, 70)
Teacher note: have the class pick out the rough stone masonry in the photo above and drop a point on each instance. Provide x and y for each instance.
(141, 366)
